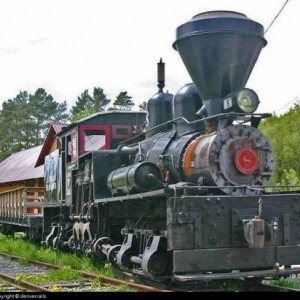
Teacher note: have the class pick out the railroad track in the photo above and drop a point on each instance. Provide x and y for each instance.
(89, 276)
(21, 286)
(89, 280)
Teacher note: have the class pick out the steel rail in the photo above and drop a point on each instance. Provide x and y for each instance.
(104, 279)
(249, 285)
(22, 283)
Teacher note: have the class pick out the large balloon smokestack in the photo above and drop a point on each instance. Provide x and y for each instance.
(219, 50)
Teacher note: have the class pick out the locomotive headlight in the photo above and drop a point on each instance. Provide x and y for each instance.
(245, 101)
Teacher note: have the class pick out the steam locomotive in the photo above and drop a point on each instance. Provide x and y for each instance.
(185, 197)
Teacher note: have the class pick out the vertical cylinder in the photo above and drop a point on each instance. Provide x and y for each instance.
(160, 75)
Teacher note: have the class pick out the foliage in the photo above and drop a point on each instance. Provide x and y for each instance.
(44, 111)
(286, 283)
(123, 102)
(125, 288)
(143, 106)
(25, 119)
(87, 104)
(65, 273)
(16, 125)
(283, 135)
(28, 251)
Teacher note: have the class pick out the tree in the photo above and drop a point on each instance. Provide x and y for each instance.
(16, 125)
(100, 99)
(143, 106)
(24, 118)
(87, 105)
(44, 111)
(123, 102)
(283, 135)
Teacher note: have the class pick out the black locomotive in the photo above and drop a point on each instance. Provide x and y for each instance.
(186, 198)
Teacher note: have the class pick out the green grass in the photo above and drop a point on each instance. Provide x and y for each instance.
(97, 285)
(57, 275)
(26, 250)
(285, 283)
(125, 288)
(71, 262)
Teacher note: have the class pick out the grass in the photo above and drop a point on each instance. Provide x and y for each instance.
(285, 283)
(67, 274)
(57, 275)
(3, 286)
(97, 285)
(125, 288)
(28, 251)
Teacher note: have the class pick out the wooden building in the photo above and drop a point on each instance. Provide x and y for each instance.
(22, 186)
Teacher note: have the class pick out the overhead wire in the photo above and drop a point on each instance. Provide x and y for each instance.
(271, 24)
(297, 99)
(280, 11)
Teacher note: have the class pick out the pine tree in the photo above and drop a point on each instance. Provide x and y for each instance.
(123, 102)
(87, 105)
(24, 118)
(44, 110)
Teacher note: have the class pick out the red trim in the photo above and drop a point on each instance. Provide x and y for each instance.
(246, 161)
(117, 136)
(83, 128)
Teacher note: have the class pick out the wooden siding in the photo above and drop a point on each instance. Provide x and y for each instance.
(18, 201)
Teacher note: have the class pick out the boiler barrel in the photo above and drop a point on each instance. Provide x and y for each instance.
(140, 177)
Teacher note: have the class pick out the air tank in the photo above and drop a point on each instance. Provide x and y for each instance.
(139, 177)
(219, 50)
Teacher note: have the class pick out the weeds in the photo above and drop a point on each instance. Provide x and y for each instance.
(58, 275)
(285, 283)
(24, 262)
(28, 251)
(125, 288)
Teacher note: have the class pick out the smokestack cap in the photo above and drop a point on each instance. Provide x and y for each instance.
(219, 50)
(219, 21)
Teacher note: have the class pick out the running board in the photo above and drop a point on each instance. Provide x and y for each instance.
(236, 275)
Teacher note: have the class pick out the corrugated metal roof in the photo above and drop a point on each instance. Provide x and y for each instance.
(110, 112)
(59, 126)
(20, 166)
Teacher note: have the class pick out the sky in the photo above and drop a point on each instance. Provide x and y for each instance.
(67, 46)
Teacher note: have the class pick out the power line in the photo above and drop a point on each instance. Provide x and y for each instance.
(283, 6)
(288, 104)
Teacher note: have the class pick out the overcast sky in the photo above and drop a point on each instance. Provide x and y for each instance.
(69, 46)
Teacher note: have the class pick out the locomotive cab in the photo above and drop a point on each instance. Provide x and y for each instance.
(85, 145)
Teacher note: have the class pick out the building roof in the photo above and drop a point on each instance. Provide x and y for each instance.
(50, 138)
(21, 166)
(110, 112)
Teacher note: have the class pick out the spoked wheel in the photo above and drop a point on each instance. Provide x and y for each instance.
(71, 243)
(98, 244)
(112, 254)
